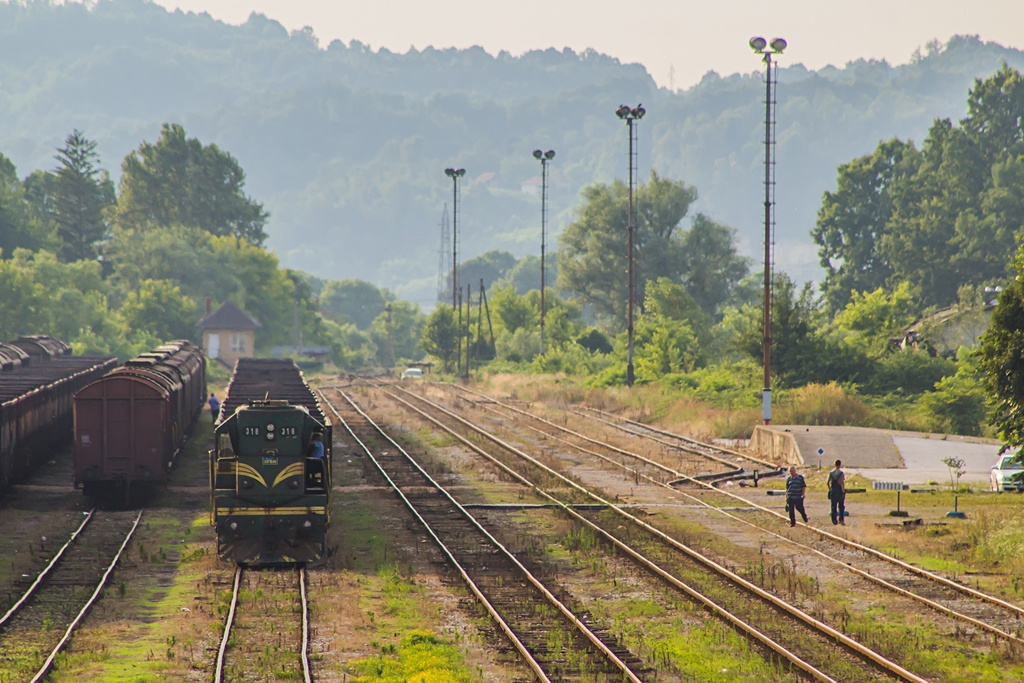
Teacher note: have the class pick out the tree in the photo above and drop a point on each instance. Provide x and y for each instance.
(852, 220)
(269, 293)
(711, 266)
(924, 240)
(1002, 361)
(79, 195)
(159, 309)
(595, 341)
(351, 348)
(869, 321)
(20, 228)
(592, 258)
(441, 335)
(994, 119)
(939, 218)
(489, 267)
(404, 336)
(801, 353)
(525, 275)
(177, 254)
(356, 301)
(664, 346)
(513, 311)
(956, 467)
(958, 403)
(42, 295)
(179, 181)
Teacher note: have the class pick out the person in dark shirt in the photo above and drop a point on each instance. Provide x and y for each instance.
(837, 493)
(796, 487)
(214, 406)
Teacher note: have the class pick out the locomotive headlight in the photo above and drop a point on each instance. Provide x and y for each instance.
(270, 436)
(233, 526)
(270, 427)
(308, 524)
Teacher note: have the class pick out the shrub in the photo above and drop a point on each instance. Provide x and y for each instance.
(821, 404)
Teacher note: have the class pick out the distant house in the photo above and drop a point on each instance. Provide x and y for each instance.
(229, 333)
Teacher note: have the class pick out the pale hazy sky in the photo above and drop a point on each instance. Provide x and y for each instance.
(689, 37)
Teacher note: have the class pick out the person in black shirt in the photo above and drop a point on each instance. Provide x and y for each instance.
(796, 487)
(837, 493)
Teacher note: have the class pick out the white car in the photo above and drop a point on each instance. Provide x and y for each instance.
(412, 373)
(1003, 472)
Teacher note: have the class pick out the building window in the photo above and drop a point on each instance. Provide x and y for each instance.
(238, 343)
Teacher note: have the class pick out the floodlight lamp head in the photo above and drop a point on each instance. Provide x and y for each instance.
(450, 172)
(778, 45)
(549, 155)
(638, 111)
(757, 43)
(537, 154)
(460, 172)
(622, 112)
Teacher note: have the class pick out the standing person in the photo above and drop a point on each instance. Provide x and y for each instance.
(837, 493)
(214, 406)
(316, 446)
(796, 488)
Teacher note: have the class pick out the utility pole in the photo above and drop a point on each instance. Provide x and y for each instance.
(391, 343)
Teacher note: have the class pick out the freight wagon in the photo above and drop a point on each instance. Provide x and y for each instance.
(131, 423)
(270, 470)
(38, 381)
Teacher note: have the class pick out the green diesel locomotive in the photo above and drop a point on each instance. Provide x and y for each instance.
(271, 478)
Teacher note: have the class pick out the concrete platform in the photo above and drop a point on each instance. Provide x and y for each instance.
(883, 455)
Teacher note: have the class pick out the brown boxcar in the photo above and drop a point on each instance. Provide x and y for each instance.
(41, 347)
(37, 402)
(131, 423)
(12, 357)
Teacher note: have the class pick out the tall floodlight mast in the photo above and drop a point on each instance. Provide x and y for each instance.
(544, 158)
(455, 174)
(766, 50)
(629, 115)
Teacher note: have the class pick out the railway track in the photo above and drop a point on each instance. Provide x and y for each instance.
(266, 628)
(553, 637)
(39, 625)
(730, 463)
(990, 614)
(785, 631)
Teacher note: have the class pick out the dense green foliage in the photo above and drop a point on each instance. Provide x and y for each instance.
(99, 270)
(593, 251)
(942, 217)
(1002, 358)
(178, 181)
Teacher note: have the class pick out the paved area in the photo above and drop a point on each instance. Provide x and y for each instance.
(855, 446)
(885, 455)
(922, 458)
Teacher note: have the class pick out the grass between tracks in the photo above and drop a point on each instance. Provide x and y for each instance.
(379, 616)
(157, 618)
